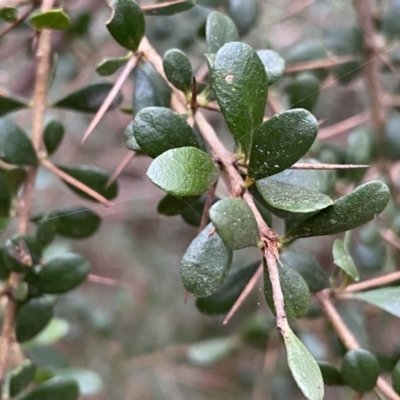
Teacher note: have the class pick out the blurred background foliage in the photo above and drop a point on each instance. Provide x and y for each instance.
(133, 336)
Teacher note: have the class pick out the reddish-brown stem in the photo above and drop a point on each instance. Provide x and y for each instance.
(344, 125)
(121, 166)
(371, 283)
(315, 64)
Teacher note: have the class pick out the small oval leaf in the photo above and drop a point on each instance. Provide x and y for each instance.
(330, 374)
(9, 104)
(235, 223)
(127, 24)
(281, 141)
(111, 65)
(343, 259)
(274, 65)
(241, 87)
(348, 212)
(53, 135)
(206, 263)
(158, 129)
(89, 99)
(46, 230)
(220, 29)
(178, 69)
(21, 377)
(244, 13)
(9, 13)
(50, 19)
(186, 171)
(171, 205)
(304, 91)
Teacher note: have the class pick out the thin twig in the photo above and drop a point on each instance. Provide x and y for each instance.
(121, 166)
(130, 65)
(106, 281)
(370, 283)
(24, 205)
(246, 291)
(391, 238)
(19, 21)
(316, 64)
(344, 125)
(74, 182)
(327, 166)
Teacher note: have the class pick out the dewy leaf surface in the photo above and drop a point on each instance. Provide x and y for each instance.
(186, 171)
(274, 65)
(348, 212)
(280, 142)
(342, 258)
(304, 368)
(235, 223)
(220, 29)
(241, 87)
(127, 24)
(206, 263)
(178, 69)
(159, 129)
(296, 199)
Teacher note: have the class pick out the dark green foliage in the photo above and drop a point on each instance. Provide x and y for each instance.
(111, 65)
(51, 19)
(53, 135)
(21, 377)
(220, 29)
(304, 91)
(8, 104)
(274, 65)
(9, 13)
(330, 374)
(178, 69)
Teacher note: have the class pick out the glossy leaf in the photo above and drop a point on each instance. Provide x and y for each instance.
(295, 292)
(89, 99)
(9, 13)
(21, 377)
(158, 129)
(193, 212)
(178, 69)
(348, 212)
(241, 87)
(396, 377)
(8, 104)
(222, 300)
(342, 258)
(330, 374)
(296, 199)
(130, 139)
(127, 24)
(387, 298)
(53, 136)
(211, 351)
(206, 263)
(220, 29)
(46, 230)
(360, 370)
(110, 66)
(61, 274)
(54, 388)
(304, 368)
(281, 141)
(150, 88)
(51, 19)
(32, 317)
(171, 205)
(307, 267)
(15, 147)
(170, 9)
(274, 65)
(244, 13)
(235, 223)
(186, 171)
(304, 91)
(93, 177)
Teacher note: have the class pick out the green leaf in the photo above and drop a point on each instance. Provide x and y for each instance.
(89, 99)
(109, 66)
(171, 205)
(348, 212)
(93, 177)
(307, 267)
(4, 271)
(342, 258)
(220, 29)
(396, 377)
(9, 14)
(130, 140)
(330, 374)
(387, 298)
(295, 292)
(5, 197)
(222, 300)
(193, 212)
(281, 141)
(46, 230)
(32, 317)
(14, 178)
(304, 91)
(89, 381)
(390, 21)
(158, 129)
(211, 351)
(235, 223)
(127, 24)
(61, 274)
(241, 87)
(296, 199)
(21, 377)
(51, 19)
(55, 330)
(54, 388)
(274, 65)
(244, 13)
(304, 368)
(9, 104)
(15, 147)
(53, 135)
(360, 370)
(170, 9)
(186, 171)
(206, 263)
(178, 69)
(150, 88)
